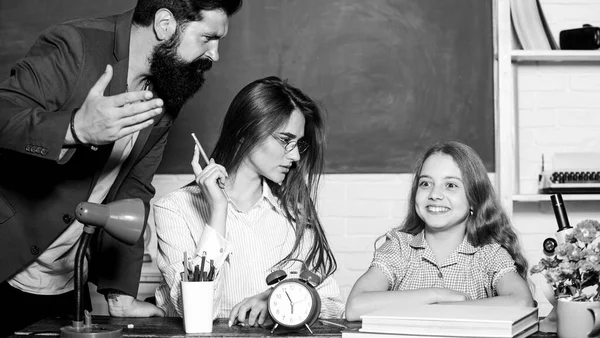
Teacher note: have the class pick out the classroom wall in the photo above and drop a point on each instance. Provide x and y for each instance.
(558, 112)
(355, 209)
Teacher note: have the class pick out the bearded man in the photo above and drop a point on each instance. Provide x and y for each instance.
(85, 116)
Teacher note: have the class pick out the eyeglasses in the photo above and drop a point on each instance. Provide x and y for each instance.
(289, 145)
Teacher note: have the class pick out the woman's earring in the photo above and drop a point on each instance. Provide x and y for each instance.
(471, 212)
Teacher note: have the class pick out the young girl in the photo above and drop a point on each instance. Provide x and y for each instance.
(456, 243)
(251, 208)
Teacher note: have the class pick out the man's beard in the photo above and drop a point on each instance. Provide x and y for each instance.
(173, 79)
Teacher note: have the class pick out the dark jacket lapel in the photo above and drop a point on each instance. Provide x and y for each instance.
(119, 85)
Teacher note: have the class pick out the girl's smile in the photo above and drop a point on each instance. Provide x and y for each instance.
(441, 199)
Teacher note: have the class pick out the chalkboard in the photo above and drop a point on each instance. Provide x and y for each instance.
(394, 75)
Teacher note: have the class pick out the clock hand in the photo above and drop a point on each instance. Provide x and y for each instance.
(301, 300)
(291, 302)
(288, 296)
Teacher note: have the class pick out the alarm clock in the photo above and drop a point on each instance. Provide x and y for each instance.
(294, 303)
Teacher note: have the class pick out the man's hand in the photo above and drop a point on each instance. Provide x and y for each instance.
(105, 119)
(127, 306)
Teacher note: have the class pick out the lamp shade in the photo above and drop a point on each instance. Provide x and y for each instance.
(123, 219)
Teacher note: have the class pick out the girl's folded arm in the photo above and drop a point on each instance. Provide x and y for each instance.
(371, 292)
(512, 290)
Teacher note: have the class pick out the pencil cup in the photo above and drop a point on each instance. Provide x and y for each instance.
(197, 306)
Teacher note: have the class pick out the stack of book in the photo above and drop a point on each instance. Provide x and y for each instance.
(531, 26)
(446, 321)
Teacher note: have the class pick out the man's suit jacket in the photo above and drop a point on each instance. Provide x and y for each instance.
(39, 191)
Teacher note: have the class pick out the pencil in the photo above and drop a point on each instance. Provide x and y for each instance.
(201, 150)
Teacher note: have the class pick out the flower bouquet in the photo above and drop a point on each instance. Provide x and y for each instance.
(574, 270)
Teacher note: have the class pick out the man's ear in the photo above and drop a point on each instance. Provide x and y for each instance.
(164, 24)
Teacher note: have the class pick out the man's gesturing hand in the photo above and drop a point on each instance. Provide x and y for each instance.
(105, 119)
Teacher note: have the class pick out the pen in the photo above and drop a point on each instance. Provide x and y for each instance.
(202, 266)
(196, 273)
(211, 272)
(221, 184)
(185, 272)
(200, 147)
(326, 322)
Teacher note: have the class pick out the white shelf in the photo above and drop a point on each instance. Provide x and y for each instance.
(546, 197)
(555, 55)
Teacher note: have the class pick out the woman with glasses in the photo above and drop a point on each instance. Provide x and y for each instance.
(251, 209)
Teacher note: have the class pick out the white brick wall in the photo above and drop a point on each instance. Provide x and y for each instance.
(558, 111)
(354, 209)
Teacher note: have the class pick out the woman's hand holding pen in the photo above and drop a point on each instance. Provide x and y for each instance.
(208, 179)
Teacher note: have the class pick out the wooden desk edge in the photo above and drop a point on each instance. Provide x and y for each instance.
(173, 327)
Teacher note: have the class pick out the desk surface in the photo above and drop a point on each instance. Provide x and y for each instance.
(173, 327)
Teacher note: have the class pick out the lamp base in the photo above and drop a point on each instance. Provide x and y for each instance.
(91, 331)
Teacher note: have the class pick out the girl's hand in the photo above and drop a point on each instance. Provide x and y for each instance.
(209, 180)
(254, 309)
(442, 295)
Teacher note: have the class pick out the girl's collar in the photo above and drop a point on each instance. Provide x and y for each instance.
(465, 247)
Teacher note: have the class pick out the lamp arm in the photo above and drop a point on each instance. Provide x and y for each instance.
(86, 236)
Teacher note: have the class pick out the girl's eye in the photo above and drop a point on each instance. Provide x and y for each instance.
(424, 184)
(452, 185)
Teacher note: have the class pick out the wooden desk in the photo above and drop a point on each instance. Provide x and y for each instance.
(173, 327)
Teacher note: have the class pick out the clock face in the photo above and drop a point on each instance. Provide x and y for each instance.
(290, 303)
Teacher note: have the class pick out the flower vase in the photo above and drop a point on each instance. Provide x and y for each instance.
(547, 324)
(577, 319)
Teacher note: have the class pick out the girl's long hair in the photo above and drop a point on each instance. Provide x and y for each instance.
(489, 222)
(256, 112)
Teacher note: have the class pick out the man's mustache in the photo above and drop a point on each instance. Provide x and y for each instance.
(202, 64)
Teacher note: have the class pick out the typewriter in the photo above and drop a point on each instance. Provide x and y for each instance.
(573, 173)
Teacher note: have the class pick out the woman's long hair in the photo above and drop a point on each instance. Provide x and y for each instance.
(489, 222)
(256, 112)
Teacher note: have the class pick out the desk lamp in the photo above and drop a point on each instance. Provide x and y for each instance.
(124, 220)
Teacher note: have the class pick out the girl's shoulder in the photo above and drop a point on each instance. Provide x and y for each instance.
(398, 237)
(490, 248)
(393, 251)
(491, 252)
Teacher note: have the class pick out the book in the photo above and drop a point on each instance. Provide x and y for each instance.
(451, 320)
(356, 334)
(530, 25)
